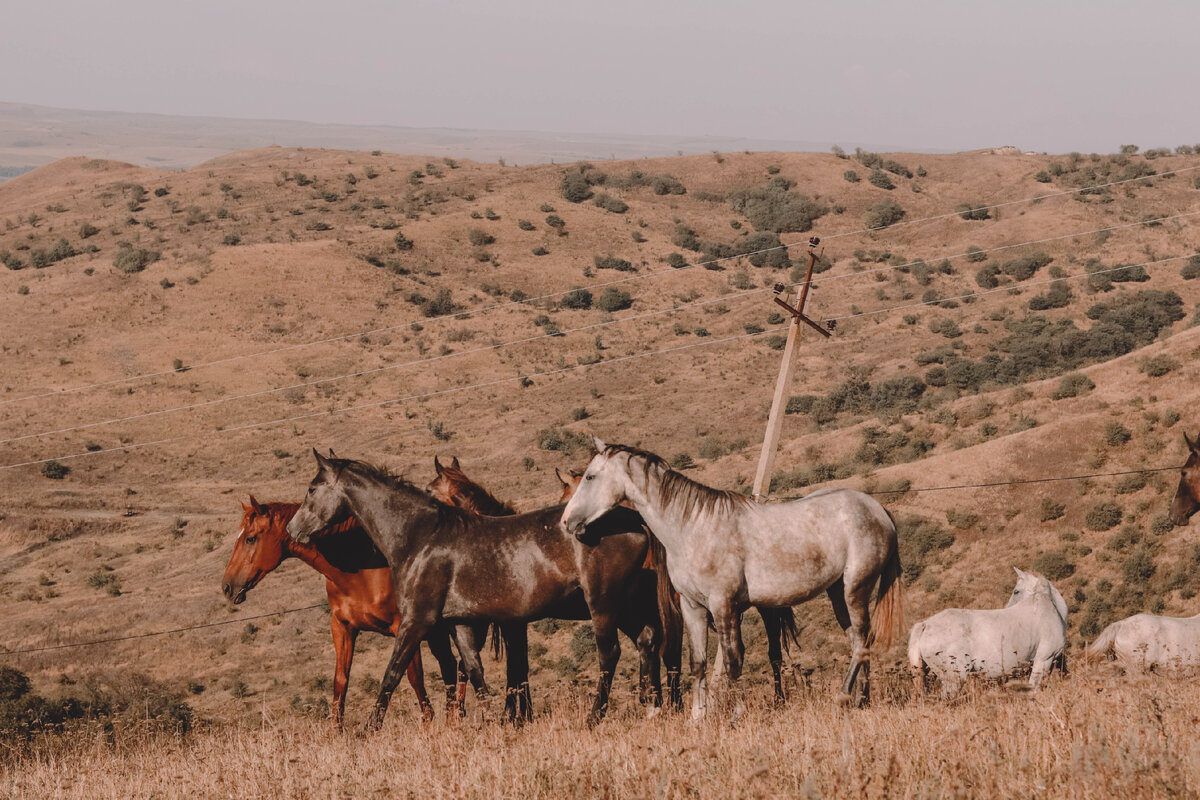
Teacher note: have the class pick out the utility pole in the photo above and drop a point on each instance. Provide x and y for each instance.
(766, 461)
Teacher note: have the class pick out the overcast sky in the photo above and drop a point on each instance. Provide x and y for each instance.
(1083, 75)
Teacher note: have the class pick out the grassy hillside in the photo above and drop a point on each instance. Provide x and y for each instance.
(419, 273)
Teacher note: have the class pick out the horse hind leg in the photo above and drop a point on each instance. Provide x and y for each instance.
(774, 627)
(853, 607)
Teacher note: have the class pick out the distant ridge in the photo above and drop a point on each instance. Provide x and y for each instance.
(34, 135)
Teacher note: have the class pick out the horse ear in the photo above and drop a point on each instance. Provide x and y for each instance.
(437, 465)
(246, 508)
(599, 444)
(454, 464)
(1019, 573)
(1192, 443)
(574, 474)
(254, 504)
(331, 453)
(321, 460)
(560, 477)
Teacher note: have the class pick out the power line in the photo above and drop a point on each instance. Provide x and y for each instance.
(455, 390)
(526, 340)
(953, 487)
(157, 633)
(378, 403)
(600, 285)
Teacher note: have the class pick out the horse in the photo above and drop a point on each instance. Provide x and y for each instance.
(1187, 496)
(452, 566)
(1148, 642)
(780, 623)
(647, 622)
(1030, 631)
(725, 553)
(357, 583)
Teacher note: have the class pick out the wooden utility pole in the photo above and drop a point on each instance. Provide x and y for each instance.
(766, 461)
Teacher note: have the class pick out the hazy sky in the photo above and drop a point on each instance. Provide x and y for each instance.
(1056, 76)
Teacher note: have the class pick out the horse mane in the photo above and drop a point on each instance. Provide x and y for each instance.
(695, 497)
(474, 497)
(447, 514)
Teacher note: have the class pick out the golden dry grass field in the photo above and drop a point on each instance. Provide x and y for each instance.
(173, 391)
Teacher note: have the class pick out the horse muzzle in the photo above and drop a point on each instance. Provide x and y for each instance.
(234, 596)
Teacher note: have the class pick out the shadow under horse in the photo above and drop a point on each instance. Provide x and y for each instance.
(451, 566)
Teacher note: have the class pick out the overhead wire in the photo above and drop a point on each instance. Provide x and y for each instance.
(599, 285)
(525, 340)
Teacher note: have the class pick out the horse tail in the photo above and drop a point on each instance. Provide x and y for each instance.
(791, 633)
(497, 641)
(669, 612)
(888, 615)
(1102, 648)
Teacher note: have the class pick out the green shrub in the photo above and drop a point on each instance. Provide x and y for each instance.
(681, 461)
(1052, 510)
(1138, 567)
(1072, 385)
(1057, 296)
(556, 222)
(575, 186)
(800, 404)
(54, 470)
(881, 215)
(1191, 270)
(685, 237)
(613, 299)
(568, 442)
(540, 251)
(920, 541)
(1024, 268)
(1054, 564)
(610, 203)
(577, 298)
(1116, 434)
(775, 208)
(129, 259)
(975, 255)
(880, 179)
(851, 176)
(1157, 366)
(583, 642)
(441, 305)
(480, 238)
(1134, 273)
(525, 225)
(1103, 516)
(676, 260)
(403, 243)
(973, 212)
(612, 262)
(10, 260)
(87, 230)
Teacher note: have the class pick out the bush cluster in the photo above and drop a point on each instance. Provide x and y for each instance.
(776, 208)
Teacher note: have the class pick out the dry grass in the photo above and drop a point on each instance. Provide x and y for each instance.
(1090, 735)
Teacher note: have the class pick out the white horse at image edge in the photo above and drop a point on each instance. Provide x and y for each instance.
(1146, 642)
(1028, 633)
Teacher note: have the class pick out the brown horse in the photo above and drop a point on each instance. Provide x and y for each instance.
(1187, 496)
(780, 623)
(357, 582)
(661, 623)
(451, 566)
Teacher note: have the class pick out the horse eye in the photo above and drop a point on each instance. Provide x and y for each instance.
(588, 477)
(251, 539)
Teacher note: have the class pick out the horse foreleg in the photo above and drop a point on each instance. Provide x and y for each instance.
(647, 638)
(774, 626)
(439, 644)
(343, 647)
(469, 644)
(408, 639)
(695, 619)
(416, 679)
(608, 649)
(672, 656)
(518, 705)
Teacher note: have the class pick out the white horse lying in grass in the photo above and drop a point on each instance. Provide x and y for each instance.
(996, 643)
(1147, 642)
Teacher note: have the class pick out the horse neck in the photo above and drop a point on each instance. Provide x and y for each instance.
(385, 512)
(313, 552)
(470, 496)
(667, 520)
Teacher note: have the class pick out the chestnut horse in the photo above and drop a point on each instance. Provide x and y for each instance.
(357, 582)
(451, 566)
(1187, 496)
(780, 623)
(453, 487)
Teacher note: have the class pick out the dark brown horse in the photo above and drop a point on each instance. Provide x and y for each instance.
(357, 582)
(1187, 496)
(649, 620)
(452, 566)
(780, 623)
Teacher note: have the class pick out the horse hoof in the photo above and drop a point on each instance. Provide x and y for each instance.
(844, 700)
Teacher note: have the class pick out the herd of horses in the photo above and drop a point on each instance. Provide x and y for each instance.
(642, 550)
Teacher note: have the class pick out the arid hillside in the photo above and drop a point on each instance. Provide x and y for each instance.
(178, 340)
